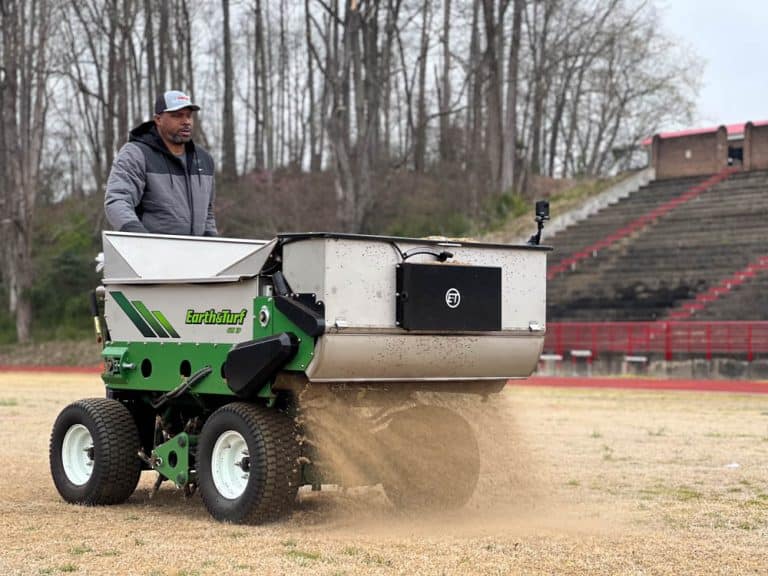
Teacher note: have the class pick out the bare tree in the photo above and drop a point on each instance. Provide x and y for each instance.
(164, 44)
(149, 40)
(229, 153)
(386, 76)
(420, 129)
(315, 155)
(474, 120)
(539, 28)
(447, 151)
(26, 32)
(493, 34)
(509, 152)
(346, 74)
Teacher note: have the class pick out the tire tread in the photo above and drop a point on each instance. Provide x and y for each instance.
(116, 436)
(275, 436)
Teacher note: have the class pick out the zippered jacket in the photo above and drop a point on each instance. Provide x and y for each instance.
(151, 190)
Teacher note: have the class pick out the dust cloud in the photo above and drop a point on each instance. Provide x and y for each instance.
(459, 462)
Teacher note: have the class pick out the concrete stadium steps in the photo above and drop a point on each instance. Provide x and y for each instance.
(669, 261)
(745, 302)
(615, 216)
(726, 299)
(648, 216)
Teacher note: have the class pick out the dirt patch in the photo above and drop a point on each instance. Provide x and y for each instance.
(570, 482)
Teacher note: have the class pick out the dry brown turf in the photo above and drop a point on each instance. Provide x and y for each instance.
(572, 482)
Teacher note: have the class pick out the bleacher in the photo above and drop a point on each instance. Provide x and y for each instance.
(649, 263)
(746, 301)
(581, 236)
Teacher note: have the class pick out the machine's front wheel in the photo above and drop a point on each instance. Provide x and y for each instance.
(93, 452)
(247, 462)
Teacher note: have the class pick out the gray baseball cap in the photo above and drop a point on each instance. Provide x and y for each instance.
(173, 100)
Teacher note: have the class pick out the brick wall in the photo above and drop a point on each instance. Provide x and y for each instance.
(695, 155)
(755, 147)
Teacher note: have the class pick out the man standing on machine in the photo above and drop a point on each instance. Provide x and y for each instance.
(162, 182)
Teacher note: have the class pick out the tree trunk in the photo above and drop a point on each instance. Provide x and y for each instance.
(110, 101)
(164, 52)
(474, 115)
(228, 156)
(268, 99)
(259, 90)
(509, 159)
(372, 78)
(350, 154)
(541, 79)
(281, 75)
(326, 95)
(447, 153)
(573, 124)
(420, 135)
(25, 33)
(493, 95)
(393, 9)
(121, 74)
(557, 118)
(149, 40)
(314, 154)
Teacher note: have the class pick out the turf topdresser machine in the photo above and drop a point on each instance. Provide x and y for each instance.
(208, 344)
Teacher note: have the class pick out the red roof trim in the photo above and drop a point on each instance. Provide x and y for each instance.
(731, 129)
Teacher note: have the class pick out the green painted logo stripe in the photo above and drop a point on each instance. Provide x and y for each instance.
(151, 320)
(167, 325)
(131, 312)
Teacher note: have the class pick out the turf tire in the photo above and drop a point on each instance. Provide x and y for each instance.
(116, 467)
(273, 475)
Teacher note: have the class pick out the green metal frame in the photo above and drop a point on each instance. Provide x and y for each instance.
(166, 360)
(278, 322)
(173, 458)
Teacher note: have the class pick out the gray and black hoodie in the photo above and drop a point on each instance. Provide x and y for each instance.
(151, 190)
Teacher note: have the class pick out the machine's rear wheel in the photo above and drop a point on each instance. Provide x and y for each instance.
(93, 452)
(247, 463)
(433, 459)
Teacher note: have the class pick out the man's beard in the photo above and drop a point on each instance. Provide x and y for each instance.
(179, 139)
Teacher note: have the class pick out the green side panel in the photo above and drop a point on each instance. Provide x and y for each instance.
(267, 304)
(278, 322)
(151, 320)
(158, 366)
(134, 316)
(306, 343)
(173, 458)
(167, 325)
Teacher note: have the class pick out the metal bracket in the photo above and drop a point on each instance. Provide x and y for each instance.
(171, 458)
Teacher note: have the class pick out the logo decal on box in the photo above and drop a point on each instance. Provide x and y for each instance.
(453, 298)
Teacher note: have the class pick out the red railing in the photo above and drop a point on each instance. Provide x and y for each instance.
(670, 339)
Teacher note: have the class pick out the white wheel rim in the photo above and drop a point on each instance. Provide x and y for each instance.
(230, 465)
(77, 454)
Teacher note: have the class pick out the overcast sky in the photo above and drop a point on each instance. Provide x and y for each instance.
(730, 35)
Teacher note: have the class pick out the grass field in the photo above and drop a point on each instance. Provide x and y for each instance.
(573, 481)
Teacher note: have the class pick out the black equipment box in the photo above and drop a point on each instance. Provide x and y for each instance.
(448, 297)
